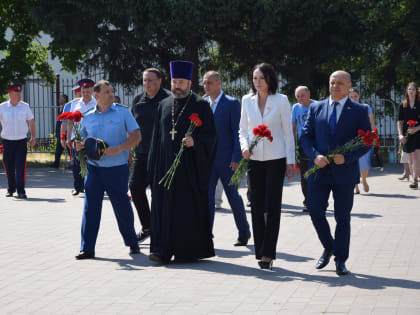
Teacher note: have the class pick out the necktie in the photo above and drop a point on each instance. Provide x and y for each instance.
(333, 118)
(213, 105)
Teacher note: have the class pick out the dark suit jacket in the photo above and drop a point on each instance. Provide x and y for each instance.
(227, 116)
(317, 139)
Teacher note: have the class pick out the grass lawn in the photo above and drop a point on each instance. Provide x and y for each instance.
(40, 159)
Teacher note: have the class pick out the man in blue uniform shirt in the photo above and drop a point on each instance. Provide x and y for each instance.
(116, 126)
(299, 116)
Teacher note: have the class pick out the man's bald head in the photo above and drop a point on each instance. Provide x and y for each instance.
(303, 95)
(340, 84)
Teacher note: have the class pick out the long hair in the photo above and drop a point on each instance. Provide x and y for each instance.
(270, 77)
(417, 97)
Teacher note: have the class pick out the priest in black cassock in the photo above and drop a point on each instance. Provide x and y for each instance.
(180, 221)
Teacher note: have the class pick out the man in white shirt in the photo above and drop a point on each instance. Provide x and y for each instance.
(15, 116)
(85, 103)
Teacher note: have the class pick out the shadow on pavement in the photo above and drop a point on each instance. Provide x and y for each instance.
(392, 196)
(330, 213)
(362, 281)
(47, 199)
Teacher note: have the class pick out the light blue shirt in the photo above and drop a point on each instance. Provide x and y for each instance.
(216, 101)
(112, 127)
(339, 107)
(300, 115)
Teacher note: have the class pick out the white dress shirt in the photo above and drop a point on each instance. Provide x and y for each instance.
(339, 107)
(277, 117)
(80, 105)
(14, 120)
(215, 102)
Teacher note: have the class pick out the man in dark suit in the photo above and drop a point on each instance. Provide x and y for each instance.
(330, 124)
(227, 113)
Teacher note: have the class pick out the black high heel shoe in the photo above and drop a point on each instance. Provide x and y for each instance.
(266, 264)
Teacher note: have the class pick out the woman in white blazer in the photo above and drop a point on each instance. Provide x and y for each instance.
(269, 161)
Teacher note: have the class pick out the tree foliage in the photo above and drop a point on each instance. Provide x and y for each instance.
(304, 40)
(20, 54)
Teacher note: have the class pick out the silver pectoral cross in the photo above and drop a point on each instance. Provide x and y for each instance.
(173, 132)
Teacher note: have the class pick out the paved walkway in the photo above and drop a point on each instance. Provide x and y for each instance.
(41, 235)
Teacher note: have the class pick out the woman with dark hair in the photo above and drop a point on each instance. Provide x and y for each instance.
(269, 161)
(410, 110)
(364, 160)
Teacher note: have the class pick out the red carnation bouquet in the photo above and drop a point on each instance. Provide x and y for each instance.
(76, 117)
(411, 124)
(166, 180)
(260, 133)
(364, 138)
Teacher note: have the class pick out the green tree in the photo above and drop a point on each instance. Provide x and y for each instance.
(20, 54)
(304, 40)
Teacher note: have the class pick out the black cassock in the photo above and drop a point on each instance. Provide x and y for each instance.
(180, 224)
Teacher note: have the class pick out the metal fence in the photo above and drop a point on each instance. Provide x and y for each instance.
(44, 100)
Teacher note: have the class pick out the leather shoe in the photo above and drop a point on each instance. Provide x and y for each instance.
(340, 268)
(21, 196)
(324, 259)
(134, 250)
(242, 241)
(158, 258)
(9, 194)
(85, 255)
(75, 192)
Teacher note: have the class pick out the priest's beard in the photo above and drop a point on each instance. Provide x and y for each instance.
(178, 93)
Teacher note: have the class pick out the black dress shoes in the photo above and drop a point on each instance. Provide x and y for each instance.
(340, 268)
(9, 194)
(242, 241)
(21, 196)
(85, 255)
(74, 192)
(134, 250)
(266, 264)
(324, 259)
(157, 258)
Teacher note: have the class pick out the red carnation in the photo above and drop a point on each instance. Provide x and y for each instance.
(77, 116)
(270, 138)
(361, 132)
(266, 133)
(256, 132)
(1, 149)
(411, 123)
(375, 131)
(63, 136)
(195, 119)
(297, 168)
(65, 116)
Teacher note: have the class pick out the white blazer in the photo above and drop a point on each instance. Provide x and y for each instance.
(277, 117)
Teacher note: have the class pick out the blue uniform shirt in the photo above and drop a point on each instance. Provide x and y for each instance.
(112, 127)
(299, 116)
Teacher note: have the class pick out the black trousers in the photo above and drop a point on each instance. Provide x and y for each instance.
(138, 184)
(58, 148)
(303, 166)
(75, 167)
(14, 160)
(266, 180)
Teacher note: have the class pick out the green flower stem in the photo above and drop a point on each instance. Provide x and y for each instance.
(167, 179)
(236, 178)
